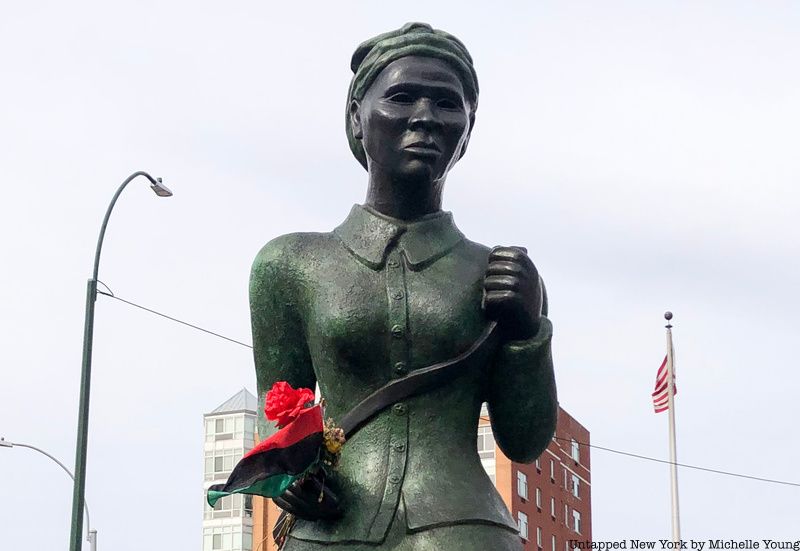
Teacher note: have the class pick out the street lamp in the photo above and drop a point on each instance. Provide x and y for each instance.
(86, 368)
(91, 535)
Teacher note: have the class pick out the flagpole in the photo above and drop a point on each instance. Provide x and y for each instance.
(673, 456)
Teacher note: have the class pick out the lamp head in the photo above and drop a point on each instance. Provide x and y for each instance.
(160, 189)
(4, 444)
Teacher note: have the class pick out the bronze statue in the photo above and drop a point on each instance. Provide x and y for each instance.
(394, 289)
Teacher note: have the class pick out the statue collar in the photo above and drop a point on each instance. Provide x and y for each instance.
(369, 235)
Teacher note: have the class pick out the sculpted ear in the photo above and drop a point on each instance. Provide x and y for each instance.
(355, 120)
(469, 133)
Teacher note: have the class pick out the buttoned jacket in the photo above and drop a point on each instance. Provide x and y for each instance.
(368, 303)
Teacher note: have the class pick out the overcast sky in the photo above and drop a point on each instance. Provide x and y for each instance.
(646, 153)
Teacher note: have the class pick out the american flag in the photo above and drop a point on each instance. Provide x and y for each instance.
(660, 396)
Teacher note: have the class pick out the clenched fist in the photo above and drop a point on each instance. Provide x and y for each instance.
(513, 292)
(310, 499)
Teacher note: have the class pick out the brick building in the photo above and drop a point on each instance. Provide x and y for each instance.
(551, 498)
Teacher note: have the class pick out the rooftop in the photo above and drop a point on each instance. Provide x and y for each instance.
(241, 401)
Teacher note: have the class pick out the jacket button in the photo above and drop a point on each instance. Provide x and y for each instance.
(394, 479)
(400, 368)
(397, 331)
(398, 295)
(400, 409)
(393, 264)
(399, 447)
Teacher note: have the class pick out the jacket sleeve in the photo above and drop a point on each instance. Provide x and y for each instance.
(523, 406)
(279, 344)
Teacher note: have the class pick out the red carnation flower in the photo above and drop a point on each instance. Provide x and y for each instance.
(284, 403)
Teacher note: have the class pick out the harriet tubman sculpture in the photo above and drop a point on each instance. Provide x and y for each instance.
(396, 288)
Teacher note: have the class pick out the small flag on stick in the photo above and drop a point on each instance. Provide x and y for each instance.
(275, 463)
(660, 395)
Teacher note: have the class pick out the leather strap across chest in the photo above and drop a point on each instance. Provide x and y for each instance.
(419, 381)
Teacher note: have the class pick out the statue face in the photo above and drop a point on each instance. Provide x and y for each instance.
(414, 121)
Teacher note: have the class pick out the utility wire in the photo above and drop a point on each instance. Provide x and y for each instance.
(637, 456)
(173, 319)
(619, 452)
(683, 464)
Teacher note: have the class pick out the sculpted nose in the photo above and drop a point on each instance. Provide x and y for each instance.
(424, 115)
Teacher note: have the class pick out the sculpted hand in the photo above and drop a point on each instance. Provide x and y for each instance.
(513, 292)
(302, 500)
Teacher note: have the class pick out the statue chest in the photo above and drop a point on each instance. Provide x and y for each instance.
(367, 326)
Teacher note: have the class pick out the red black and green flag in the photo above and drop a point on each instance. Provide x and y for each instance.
(274, 464)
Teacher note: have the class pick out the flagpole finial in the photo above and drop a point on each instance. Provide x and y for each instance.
(668, 317)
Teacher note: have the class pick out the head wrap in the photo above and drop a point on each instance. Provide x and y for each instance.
(413, 39)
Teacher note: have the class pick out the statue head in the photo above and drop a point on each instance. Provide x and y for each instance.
(412, 101)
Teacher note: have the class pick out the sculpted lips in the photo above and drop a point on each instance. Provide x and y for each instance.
(423, 148)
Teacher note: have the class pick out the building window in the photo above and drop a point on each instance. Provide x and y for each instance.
(576, 484)
(522, 485)
(566, 515)
(522, 522)
(220, 462)
(565, 478)
(553, 507)
(552, 471)
(230, 506)
(485, 442)
(224, 427)
(538, 466)
(576, 452)
(486, 451)
(231, 427)
(227, 538)
(576, 518)
(553, 543)
(539, 537)
(539, 498)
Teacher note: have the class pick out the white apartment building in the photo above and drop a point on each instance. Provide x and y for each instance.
(229, 434)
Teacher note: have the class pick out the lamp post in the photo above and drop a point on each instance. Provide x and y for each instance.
(91, 535)
(86, 367)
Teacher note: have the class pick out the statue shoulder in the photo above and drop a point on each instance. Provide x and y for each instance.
(289, 251)
(284, 263)
(476, 252)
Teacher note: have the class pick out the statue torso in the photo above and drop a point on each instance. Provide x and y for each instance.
(376, 303)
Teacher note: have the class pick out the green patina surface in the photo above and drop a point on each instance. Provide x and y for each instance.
(369, 302)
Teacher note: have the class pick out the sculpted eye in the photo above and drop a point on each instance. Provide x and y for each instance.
(447, 104)
(401, 97)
